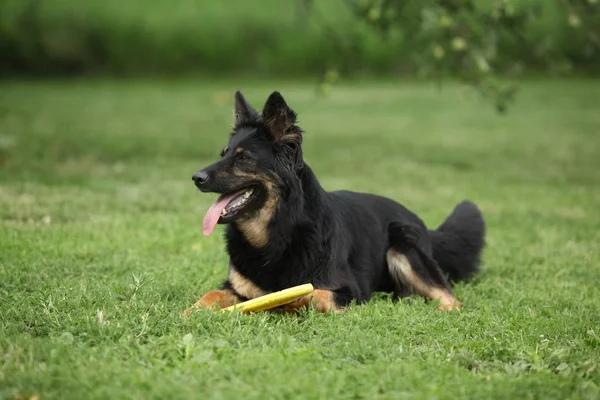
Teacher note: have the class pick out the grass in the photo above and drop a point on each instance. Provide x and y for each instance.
(101, 245)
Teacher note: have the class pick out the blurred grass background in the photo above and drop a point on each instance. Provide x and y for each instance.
(234, 37)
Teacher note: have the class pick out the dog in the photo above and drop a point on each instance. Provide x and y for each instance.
(284, 229)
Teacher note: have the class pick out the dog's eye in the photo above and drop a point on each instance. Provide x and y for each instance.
(224, 151)
(240, 156)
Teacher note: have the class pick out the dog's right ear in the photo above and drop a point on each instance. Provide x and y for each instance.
(243, 113)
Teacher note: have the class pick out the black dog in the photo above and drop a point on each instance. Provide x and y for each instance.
(284, 229)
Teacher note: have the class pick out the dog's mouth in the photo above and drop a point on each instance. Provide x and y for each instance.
(230, 206)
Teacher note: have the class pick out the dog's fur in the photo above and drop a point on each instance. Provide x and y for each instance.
(348, 245)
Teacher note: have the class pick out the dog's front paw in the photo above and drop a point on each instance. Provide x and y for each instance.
(322, 301)
(450, 306)
(213, 300)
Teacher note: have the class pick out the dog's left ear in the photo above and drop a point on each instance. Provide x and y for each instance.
(278, 117)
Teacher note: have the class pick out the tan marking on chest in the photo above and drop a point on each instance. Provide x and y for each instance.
(243, 285)
(255, 228)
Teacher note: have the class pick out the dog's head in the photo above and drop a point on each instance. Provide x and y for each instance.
(262, 155)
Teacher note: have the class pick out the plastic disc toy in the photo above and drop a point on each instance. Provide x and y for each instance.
(273, 300)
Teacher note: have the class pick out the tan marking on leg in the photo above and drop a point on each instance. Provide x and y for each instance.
(212, 299)
(401, 270)
(255, 227)
(243, 285)
(323, 301)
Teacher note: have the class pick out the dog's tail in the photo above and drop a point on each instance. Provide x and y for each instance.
(458, 242)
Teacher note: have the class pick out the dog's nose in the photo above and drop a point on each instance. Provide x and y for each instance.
(200, 177)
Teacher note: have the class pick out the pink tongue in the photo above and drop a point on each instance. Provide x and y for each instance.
(214, 213)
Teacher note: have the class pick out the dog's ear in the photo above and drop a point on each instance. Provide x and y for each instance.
(243, 113)
(278, 117)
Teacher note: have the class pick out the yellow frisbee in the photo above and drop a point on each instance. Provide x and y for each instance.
(273, 300)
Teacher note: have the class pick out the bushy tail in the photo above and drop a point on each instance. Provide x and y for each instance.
(458, 242)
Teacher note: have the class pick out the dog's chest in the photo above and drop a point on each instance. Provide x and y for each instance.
(252, 281)
(244, 285)
(251, 275)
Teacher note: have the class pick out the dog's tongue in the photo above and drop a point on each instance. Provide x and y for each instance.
(214, 213)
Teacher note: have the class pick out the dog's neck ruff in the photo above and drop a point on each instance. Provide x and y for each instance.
(304, 201)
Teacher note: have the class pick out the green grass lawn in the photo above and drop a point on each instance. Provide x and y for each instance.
(101, 244)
